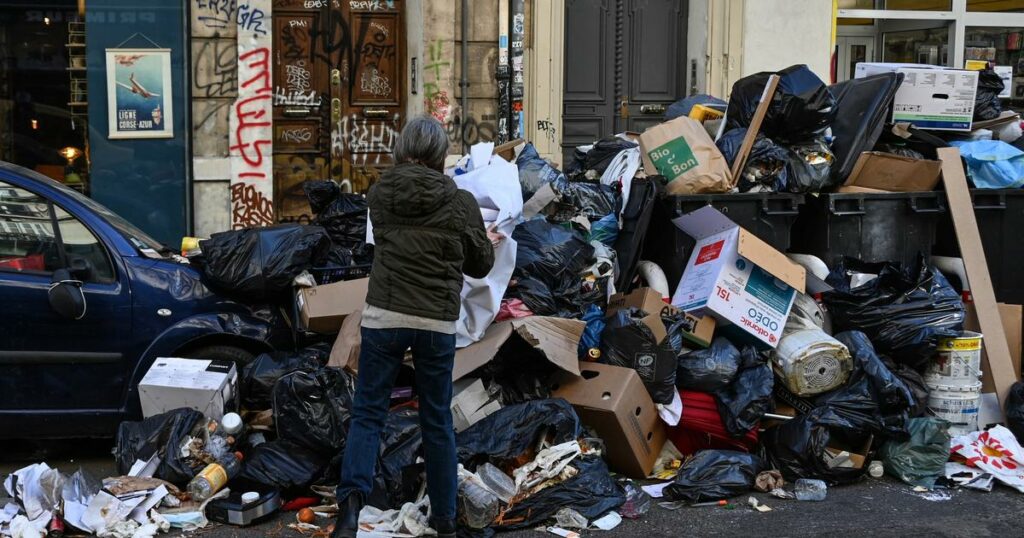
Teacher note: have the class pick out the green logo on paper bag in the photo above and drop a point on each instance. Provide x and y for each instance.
(673, 158)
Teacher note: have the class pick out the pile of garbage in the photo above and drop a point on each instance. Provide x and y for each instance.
(581, 370)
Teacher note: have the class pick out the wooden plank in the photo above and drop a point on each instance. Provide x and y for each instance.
(999, 361)
(755, 126)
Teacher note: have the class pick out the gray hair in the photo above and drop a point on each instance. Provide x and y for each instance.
(424, 141)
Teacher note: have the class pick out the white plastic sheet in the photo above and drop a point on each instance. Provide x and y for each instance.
(994, 451)
(497, 191)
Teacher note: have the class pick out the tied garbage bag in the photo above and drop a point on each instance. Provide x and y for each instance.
(590, 490)
(746, 399)
(628, 341)
(987, 105)
(809, 167)
(256, 264)
(342, 214)
(512, 431)
(802, 107)
(992, 164)
(534, 171)
(810, 445)
(765, 170)
(711, 369)
(904, 311)
(163, 435)
(312, 408)
(260, 375)
(283, 464)
(920, 460)
(874, 400)
(713, 475)
(1015, 410)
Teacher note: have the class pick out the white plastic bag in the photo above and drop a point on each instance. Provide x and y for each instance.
(995, 451)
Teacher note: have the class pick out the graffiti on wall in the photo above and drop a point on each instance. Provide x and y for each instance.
(436, 69)
(364, 139)
(251, 125)
(219, 14)
(215, 68)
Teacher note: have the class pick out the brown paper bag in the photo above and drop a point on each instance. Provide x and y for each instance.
(683, 152)
(345, 353)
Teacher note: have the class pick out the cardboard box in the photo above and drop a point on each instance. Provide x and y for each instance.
(701, 328)
(209, 387)
(737, 278)
(555, 339)
(848, 455)
(614, 402)
(471, 403)
(894, 173)
(845, 189)
(683, 152)
(867, 69)
(940, 99)
(323, 308)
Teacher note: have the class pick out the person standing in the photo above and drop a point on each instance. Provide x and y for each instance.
(427, 234)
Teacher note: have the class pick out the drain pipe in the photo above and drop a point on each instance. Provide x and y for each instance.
(464, 80)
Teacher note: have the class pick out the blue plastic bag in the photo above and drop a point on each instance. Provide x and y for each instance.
(605, 229)
(591, 337)
(993, 164)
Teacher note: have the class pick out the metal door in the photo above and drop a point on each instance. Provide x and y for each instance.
(852, 51)
(625, 64)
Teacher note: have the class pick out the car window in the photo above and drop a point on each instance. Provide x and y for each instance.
(27, 240)
(80, 243)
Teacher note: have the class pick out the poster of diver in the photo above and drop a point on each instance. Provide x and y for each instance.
(139, 93)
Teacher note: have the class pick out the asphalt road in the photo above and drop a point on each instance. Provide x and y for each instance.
(883, 507)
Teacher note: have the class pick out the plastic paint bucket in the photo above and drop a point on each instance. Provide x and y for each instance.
(957, 361)
(956, 403)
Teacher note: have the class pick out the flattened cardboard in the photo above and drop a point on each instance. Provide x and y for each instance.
(614, 402)
(471, 403)
(1010, 315)
(323, 308)
(556, 339)
(845, 188)
(997, 358)
(648, 300)
(894, 173)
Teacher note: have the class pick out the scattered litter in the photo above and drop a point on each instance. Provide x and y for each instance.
(753, 502)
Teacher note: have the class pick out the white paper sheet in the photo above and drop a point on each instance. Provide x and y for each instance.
(656, 491)
(497, 191)
(673, 412)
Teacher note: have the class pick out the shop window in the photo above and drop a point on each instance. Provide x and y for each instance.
(1003, 47)
(42, 89)
(929, 46)
(996, 5)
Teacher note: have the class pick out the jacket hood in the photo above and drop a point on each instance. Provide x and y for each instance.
(411, 189)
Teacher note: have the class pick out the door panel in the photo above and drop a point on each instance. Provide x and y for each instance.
(627, 57)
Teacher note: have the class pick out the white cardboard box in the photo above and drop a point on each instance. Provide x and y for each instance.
(736, 277)
(203, 385)
(930, 97)
(471, 403)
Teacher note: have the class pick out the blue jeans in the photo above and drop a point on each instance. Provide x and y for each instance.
(379, 360)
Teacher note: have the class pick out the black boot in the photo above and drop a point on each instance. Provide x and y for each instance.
(444, 528)
(347, 524)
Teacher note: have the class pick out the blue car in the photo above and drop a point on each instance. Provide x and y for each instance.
(88, 302)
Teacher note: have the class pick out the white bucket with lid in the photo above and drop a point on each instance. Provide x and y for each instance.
(957, 361)
(956, 403)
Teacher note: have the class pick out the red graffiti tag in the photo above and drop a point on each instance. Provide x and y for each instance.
(252, 112)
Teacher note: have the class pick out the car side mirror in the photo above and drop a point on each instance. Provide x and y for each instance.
(66, 295)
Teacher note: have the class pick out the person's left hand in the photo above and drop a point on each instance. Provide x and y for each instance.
(495, 236)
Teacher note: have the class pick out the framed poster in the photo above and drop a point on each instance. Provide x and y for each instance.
(139, 93)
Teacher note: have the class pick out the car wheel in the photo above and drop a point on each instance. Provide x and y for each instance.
(239, 356)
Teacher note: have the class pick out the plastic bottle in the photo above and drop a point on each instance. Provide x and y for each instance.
(876, 469)
(232, 424)
(498, 482)
(808, 489)
(479, 506)
(213, 477)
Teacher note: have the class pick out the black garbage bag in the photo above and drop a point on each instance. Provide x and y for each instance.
(553, 257)
(921, 459)
(915, 382)
(874, 400)
(164, 435)
(902, 150)
(629, 342)
(809, 167)
(904, 311)
(711, 369)
(256, 264)
(1015, 411)
(713, 475)
(534, 171)
(743, 403)
(592, 492)
(804, 446)
(683, 106)
(987, 105)
(345, 220)
(599, 157)
(511, 431)
(802, 107)
(766, 168)
(285, 465)
(398, 477)
(260, 375)
(312, 408)
(320, 193)
(592, 200)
